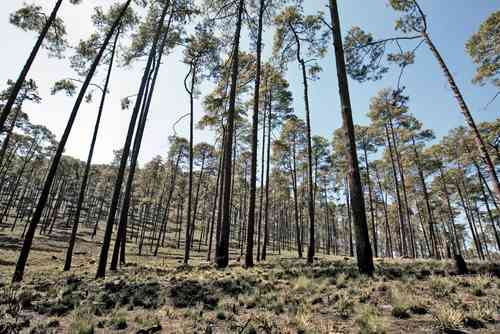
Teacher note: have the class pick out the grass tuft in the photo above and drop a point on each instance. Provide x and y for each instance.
(369, 320)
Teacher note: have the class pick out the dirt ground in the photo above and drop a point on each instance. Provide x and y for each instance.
(281, 295)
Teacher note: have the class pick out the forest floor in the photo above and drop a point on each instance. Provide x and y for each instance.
(280, 295)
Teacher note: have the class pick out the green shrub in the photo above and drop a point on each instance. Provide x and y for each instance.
(189, 293)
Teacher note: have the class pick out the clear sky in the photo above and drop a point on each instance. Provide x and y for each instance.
(451, 23)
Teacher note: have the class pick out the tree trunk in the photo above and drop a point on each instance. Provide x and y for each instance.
(23, 257)
(101, 268)
(268, 164)
(83, 186)
(467, 115)
(402, 236)
(119, 247)
(310, 198)
(427, 201)
(261, 198)
(190, 91)
(5, 143)
(296, 201)
(363, 248)
(214, 207)
(22, 76)
(222, 251)
(254, 144)
(450, 210)
(370, 199)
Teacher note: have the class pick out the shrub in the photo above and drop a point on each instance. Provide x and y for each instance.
(233, 287)
(188, 293)
(120, 293)
(304, 319)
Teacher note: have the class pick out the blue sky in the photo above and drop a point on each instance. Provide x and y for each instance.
(451, 23)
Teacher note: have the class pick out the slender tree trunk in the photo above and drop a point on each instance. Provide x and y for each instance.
(469, 120)
(487, 204)
(261, 198)
(195, 206)
(23, 257)
(403, 187)
(450, 210)
(222, 251)
(427, 200)
(471, 223)
(22, 76)
(190, 90)
(363, 248)
(312, 242)
(310, 198)
(402, 236)
(120, 239)
(296, 201)
(214, 207)
(254, 144)
(6, 141)
(83, 186)
(119, 247)
(370, 199)
(101, 268)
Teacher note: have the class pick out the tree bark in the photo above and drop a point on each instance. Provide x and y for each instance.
(255, 128)
(222, 251)
(363, 248)
(192, 72)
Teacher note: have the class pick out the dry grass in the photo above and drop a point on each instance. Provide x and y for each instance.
(281, 295)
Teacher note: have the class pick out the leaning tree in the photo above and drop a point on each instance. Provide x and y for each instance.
(364, 56)
(51, 36)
